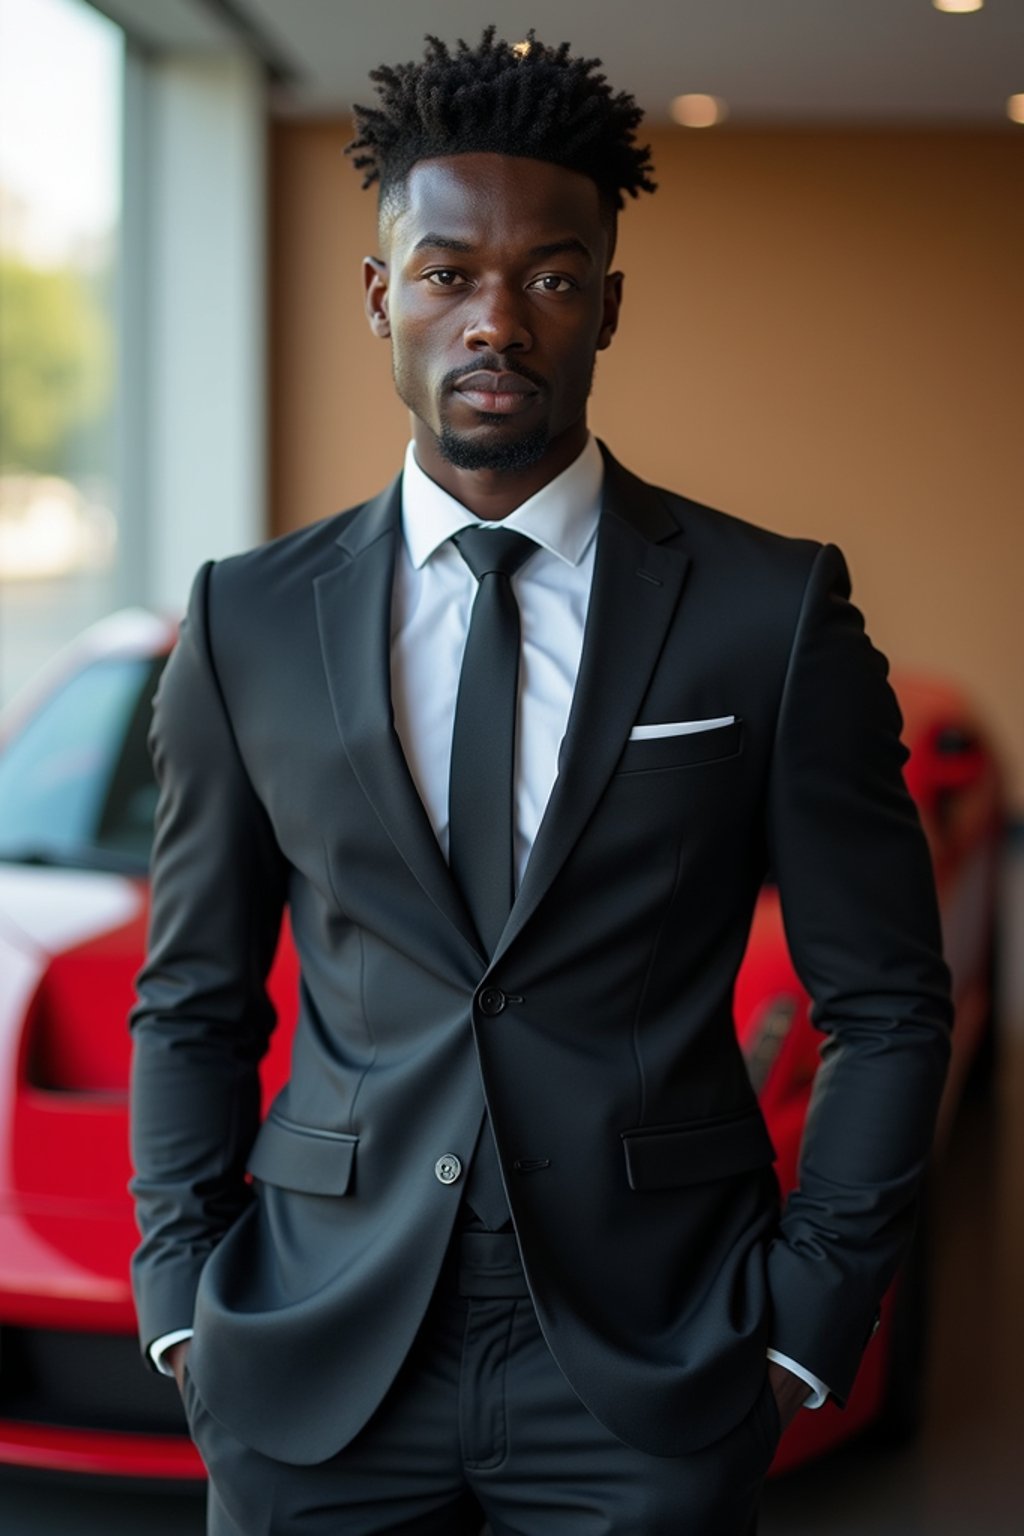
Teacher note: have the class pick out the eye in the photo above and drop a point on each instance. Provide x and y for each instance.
(553, 282)
(445, 277)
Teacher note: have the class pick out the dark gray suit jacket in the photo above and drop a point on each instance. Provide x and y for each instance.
(635, 1157)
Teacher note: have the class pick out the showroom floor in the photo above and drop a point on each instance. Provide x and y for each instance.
(964, 1476)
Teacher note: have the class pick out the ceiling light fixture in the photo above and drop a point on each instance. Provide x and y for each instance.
(958, 7)
(1015, 108)
(697, 111)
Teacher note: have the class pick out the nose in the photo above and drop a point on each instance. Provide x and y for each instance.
(498, 321)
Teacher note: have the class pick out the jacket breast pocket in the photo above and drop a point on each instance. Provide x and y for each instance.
(302, 1157)
(697, 1151)
(683, 751)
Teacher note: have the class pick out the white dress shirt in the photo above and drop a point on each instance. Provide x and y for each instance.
(433, 596)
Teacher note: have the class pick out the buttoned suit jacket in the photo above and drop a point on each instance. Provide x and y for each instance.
(636, 1161)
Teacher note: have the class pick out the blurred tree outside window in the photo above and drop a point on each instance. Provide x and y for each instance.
(61, 73)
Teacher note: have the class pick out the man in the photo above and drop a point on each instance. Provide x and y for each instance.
(517, 742)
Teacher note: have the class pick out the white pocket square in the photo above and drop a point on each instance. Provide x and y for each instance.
(679, 728)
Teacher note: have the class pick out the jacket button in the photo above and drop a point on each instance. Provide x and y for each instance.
(492, 1001)
(447, 1168)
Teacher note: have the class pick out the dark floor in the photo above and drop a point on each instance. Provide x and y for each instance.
(965, 1474)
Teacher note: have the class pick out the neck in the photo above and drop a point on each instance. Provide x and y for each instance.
(491, 494)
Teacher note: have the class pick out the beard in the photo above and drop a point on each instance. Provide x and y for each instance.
(501, 454)
(500, 450)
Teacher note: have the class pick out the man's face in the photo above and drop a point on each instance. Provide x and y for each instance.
(494, 292)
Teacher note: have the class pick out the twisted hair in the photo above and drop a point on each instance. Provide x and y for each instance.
(524, 99)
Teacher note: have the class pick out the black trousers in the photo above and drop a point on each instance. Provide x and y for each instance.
(481, 1424)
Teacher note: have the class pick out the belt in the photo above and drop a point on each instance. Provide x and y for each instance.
(486, 1264)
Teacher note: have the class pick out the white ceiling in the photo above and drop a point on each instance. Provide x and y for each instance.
(867, 62)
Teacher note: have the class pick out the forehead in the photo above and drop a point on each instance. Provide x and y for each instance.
(484, 199)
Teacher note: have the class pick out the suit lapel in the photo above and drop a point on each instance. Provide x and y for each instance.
(638, 578)
(353, 604)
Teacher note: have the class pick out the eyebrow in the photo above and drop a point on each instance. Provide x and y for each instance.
(570, 246)
(443, 243)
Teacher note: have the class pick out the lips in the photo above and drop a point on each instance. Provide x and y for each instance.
(499, 394)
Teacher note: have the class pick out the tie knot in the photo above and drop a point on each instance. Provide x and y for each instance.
(487, 550)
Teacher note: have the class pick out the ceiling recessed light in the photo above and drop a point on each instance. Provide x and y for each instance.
(958, 7)
(697, 111)
(1015, 108)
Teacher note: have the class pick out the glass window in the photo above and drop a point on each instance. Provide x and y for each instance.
(76, 785)
(61, 70)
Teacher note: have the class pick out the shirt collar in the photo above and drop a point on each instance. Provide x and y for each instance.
(562, 517)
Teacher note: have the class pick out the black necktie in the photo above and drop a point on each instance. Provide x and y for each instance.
(481, 787)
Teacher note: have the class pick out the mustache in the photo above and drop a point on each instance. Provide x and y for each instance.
(490, 362)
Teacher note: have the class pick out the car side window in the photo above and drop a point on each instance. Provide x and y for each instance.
(76, 785)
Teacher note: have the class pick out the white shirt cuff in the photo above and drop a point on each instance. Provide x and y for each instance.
(160, 1346)
(819, 1391)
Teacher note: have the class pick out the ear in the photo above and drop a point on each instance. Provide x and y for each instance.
(375, 284)
(610, 312)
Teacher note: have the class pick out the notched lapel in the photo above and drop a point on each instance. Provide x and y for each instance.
(353, 605)
(638, 578)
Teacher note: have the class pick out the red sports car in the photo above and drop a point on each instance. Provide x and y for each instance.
(76, 811)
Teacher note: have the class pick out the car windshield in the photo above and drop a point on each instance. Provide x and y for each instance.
(76, 785)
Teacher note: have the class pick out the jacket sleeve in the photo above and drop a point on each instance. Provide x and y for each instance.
(858, 901)
(203, 1017)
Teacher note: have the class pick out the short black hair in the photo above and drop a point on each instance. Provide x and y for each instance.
(524, 99)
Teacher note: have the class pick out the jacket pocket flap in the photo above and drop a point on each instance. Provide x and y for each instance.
(302, 1157)
(662, 1156)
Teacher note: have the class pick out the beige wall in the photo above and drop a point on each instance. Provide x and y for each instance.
(822, 333)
